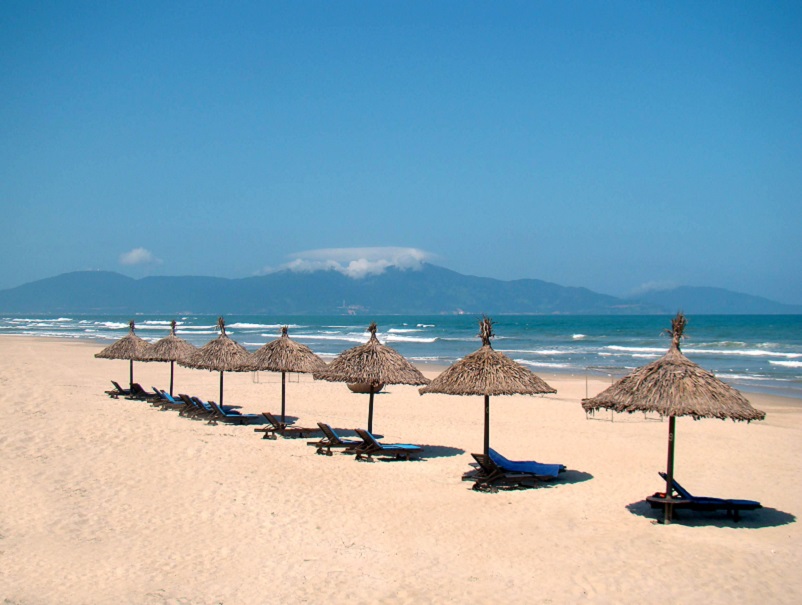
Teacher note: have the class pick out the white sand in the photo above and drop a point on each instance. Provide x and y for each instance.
(112, 501)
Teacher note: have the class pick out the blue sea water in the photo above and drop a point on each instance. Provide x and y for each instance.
(761, 353)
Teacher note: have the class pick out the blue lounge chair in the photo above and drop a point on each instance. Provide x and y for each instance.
(168, 402)
(489, 477)
(538, 469)
(371, 446)
(117, 390)
(230, 416)
(332, 439)
(683, 499)
(275, 426)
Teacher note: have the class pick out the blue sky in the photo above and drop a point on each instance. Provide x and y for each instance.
(613, 145)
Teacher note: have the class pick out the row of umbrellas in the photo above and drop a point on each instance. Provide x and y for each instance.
(672, 386)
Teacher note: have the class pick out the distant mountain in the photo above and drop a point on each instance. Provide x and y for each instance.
(714, 301)
(430, 290)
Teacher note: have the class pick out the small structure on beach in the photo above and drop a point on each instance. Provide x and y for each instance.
(130, 347)
(220, 355)
(373, 364)
(170, 348)
(286, 355)
(674, 386)
(487, 372)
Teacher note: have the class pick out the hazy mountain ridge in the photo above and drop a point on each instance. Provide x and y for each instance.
(430, 290)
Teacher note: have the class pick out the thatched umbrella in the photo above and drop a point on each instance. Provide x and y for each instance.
(374, 364)
(221, 354)
(674, 386)
(170, 348)
(130, 347)
(487, 372)
(285, 355)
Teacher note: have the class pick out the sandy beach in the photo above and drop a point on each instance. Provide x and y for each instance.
(113, 501)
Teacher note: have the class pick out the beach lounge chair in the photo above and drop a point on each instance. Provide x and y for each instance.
(230, 416)
(544, 472)
(168, 402)
(117, 390)
(275, 426)
(193, 408)
(138, 393)
(489, 476)
(683, 499)
(332, 439)
(371, 446)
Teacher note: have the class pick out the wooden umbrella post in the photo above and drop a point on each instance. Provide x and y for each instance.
(370, 410)
(221, 389)
(172, 371)
(487, 426)
(283, 393)
(131, 373)
(669, 471)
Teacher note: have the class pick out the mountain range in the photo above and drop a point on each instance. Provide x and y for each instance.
(431, 290)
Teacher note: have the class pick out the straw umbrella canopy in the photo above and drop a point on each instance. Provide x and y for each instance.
(487, 372)
(170, 348)
(374, 364)
(130, 347)
(285, 355)
(674, 386)
(221, 355)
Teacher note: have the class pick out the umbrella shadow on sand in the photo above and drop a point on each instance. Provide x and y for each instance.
(757, 519)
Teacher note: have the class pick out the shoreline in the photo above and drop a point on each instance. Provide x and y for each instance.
(433, 368)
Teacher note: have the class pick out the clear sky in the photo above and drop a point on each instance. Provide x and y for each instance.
(612, 145)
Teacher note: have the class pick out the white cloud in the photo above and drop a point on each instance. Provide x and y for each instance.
(357, 263)
(139, 256)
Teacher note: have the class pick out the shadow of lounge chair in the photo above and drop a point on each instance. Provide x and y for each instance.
(332, 439)
(683, 499)
(371, 446)
(275, 426)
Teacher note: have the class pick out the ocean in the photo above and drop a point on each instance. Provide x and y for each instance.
(758, 353)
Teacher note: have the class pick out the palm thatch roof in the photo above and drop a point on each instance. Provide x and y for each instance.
(170, 348)
(372, 363)
(130, 347)
(286, 355)
(487, 372)
(675, 386)
(221, 354)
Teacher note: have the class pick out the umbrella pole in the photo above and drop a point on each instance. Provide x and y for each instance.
(283, 390)
(131, 373)
(172, 369)
(370, 410)
(487, 426)
(221, 389)
(669, 470)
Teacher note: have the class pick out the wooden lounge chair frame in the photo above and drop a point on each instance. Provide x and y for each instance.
(489, 477)
(683, 499)
(230, 416)
(371, 446)
(117, 390)
(140, 394)
(331, 439)
(275, 426)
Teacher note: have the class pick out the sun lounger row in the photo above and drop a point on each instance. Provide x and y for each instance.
(197, 408)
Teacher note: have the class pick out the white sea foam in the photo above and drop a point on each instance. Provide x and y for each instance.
(335, 337)
(786, 364)
(426, 325)
(402, 330)
(579, 336)
(396, 338)
(550, 352)
(544, 364)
